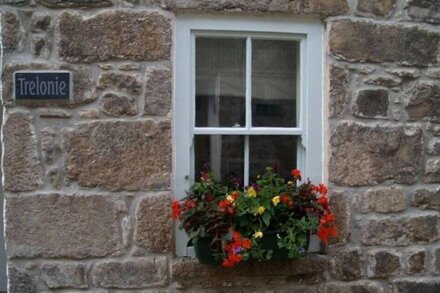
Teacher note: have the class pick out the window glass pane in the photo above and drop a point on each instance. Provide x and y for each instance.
(274, 88)
(223, 153)
(220, 82)
(276, 151)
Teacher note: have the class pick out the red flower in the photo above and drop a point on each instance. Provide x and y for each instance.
(284, 198)
(323, 201)
(225, 206)
(247, 243)
(323, 189)
(324, 233)
(290, 203)
(209, 198)
(175, 210)
(235, 195)
(296, 173)
(189, 204)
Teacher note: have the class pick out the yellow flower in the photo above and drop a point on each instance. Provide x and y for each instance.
(276, 200)
(258, 234)
(230, 198)
(260, 210)
(251, 192)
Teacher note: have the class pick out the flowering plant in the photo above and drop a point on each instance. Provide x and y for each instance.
(236, 218)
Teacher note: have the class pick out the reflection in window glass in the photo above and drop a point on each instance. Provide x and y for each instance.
(220, 82)
(276, 151)
(274, 88)
(223, 153)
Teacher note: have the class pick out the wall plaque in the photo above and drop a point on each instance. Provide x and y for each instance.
(43, 85)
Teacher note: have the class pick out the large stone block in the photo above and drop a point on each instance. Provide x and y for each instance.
(371, 103)
(427, 199)
(341, 209)
(339, 91)
(383, 200)
(424, 285)
(362, 41)
(75, 3)
(401, 231)
(158, 91)
(11, 31)
(423, 102)
(436, 253)
(424, 10)
(352, 287)
(380, 8)
(153, 223)
(315, 7)
(53, 225)
(432, 171)
(19, 281)
(189, 272)
(416, 261)
(383, 263)
(131, 274)
(118, 105)
(367, 155)
(64, 275)
(21, 166)
(346, 265)
(119, 155)
(434, 147)
(117, 34)
(83, 91)
(124, 82)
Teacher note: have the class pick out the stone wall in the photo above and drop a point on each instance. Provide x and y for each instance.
(88, 184)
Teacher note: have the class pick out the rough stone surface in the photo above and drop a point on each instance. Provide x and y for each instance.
(408, 73)
(83, 91)
(341, 209)
(383, 80)
(418, 285)
(367, 155)
(432, 171)
(41, 21)
(436, 253)
(401, 231)
(55, 177)
(153, 225)
(362, 41)
(424, 10)
(384, 200)
(15, 2)
(117, 34)
(20, 281)
(124, 82)
(21, 166)
(434, 147)
(139, 156)
(131, 274)
(427, 199)
(11, 31)
(346, 265)
(52, 225)
(88, 114)
(352, 287)
(75, 3)
(40, 46)
(56, 275)
(53, 113)
(189, 272)
(49, 145)
(316, 7)
(158, 91)
(383, 263)
(433, 73)
(371, 103)
(339, 91)
(118, 105)
(424, 102)
(376, 7)
(416, 261)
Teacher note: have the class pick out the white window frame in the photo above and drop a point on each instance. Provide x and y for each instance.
(309, 32)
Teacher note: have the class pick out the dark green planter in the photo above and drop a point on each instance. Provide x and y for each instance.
(269, 241)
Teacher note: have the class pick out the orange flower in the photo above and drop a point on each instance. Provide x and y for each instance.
(284, 198)
(175, 210)
(296, 173)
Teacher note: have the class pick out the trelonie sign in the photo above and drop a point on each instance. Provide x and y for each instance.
(42, 85)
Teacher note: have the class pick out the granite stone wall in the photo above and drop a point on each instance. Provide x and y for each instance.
(88, 183)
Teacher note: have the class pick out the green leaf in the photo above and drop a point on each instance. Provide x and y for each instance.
(266, 219)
